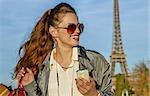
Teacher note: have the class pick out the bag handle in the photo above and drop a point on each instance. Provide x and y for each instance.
(21, 89)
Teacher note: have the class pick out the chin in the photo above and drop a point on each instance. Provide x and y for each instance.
(75, 44)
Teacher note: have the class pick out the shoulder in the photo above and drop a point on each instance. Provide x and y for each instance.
(93, 53)
(94, 56)
(89, 53)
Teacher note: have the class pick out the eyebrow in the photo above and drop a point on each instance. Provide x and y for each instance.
(72, 23)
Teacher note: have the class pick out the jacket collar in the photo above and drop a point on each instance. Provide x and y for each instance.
(84, 61)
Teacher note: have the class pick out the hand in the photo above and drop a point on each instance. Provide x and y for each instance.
(87, 88)
(26, 76)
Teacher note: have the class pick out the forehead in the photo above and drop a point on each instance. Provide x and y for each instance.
(69, 18)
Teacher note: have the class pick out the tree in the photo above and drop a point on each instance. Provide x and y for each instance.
(141, 78)
(121, 84)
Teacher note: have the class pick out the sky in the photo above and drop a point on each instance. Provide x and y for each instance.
(18, 17)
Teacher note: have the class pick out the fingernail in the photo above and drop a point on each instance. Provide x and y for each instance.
(26, 67)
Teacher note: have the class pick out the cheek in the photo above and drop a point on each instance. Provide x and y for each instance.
(64, 36)
(62, 33)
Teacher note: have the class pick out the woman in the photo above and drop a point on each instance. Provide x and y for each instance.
(51, 57)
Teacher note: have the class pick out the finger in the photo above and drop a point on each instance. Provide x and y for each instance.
(26, 76)
(81, 89)
(88, 85)
(84, 80)
(20, 73)
(81, 85)
(19, 76)
(22, 70)
(85, 83)
(79, 82)
(29, 71)
(93, 82)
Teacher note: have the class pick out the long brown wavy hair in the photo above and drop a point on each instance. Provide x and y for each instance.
(34, 51)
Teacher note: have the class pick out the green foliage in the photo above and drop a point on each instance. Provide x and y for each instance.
(121, 84)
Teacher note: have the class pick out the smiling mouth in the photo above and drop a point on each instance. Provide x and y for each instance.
(76, 38)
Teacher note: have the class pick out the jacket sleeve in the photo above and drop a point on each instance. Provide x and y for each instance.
(32, 89)
(104, 79)
(101, 73)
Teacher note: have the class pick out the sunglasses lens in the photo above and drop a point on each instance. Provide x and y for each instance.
(81, 27)
(71, 28)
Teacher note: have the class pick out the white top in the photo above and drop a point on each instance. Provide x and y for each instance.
(62, 83)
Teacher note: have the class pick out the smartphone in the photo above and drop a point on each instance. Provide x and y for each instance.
(83, 74)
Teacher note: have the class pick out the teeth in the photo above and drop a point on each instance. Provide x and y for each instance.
(76, 38)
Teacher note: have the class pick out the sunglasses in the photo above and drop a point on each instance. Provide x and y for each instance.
(72, 27)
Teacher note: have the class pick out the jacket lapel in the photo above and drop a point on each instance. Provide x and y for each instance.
(84, 61)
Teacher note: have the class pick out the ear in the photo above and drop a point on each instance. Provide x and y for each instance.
(53, 31)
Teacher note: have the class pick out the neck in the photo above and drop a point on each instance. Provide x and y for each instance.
(63, 56)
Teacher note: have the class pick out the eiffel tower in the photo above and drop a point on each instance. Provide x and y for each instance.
(117, 56)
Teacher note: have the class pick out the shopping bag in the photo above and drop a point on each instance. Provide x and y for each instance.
(4, 90)
(20, 91)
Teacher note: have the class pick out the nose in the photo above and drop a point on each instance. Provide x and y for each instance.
(77, 31)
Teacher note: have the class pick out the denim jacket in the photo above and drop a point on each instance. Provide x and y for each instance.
(93, 61)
